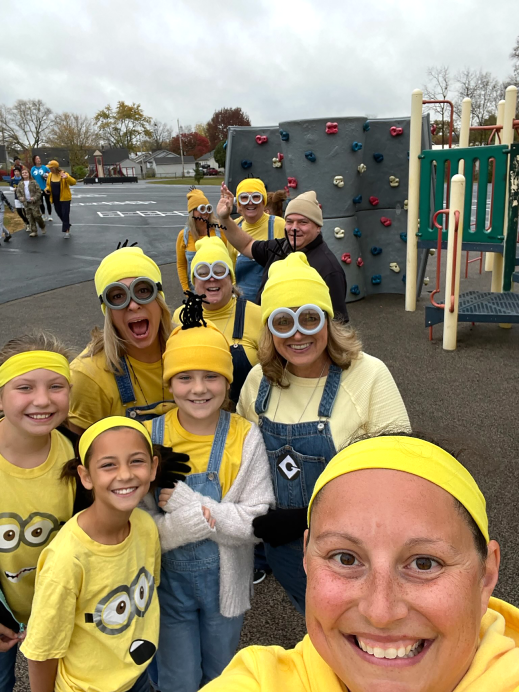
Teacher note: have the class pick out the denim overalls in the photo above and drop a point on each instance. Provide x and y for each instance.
(249, 273)
(240, 363)
(196, 642)
(297, 455)
(127, 394)
(191, 253)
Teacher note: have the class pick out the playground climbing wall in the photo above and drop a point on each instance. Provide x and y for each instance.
(360, 171)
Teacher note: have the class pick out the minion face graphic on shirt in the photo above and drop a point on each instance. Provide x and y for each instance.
(34, 531)
(116, 611)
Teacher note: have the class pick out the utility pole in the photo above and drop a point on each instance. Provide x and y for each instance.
(181, 147)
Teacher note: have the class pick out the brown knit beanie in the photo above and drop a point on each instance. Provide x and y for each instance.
(306, 205)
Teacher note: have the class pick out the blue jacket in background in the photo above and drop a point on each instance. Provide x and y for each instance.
(40, 173)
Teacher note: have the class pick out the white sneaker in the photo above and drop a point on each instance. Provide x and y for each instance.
(66, 234)
(49, 218)
(27, 229)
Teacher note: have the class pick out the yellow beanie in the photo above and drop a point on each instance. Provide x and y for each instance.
(293, 282)
(122, 264)
(195, 198)
(197, 348)
(252, 185)
(212, 249)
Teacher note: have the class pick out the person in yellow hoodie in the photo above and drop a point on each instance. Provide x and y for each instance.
(400, 582)
(58, 187)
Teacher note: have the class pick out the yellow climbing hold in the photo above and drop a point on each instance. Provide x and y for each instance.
(432, 252)
(362, 168)
(338, 232)
(426, 281)
(276, 163)
(394, 182)
(339, 181)
(406, 204)
(394, 267)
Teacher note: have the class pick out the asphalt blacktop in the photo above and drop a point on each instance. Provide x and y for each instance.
(469, 396)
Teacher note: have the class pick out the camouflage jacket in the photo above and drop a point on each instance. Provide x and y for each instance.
(34, 191)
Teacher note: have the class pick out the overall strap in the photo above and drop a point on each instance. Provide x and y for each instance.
(186, 235)
(263, 396)
(272, 219)
(220, 438)
(240, 223)
(239, 318)
(158, 426)
(124, 384)
(331, 389)
(218, 233)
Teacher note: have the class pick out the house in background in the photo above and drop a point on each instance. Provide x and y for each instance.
(62, 156)
(116, 162)
(208, 160)
(163, 163)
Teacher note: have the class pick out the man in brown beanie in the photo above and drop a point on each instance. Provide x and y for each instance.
(303, 223)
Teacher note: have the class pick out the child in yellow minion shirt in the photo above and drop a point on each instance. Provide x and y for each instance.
(205, 523)
(95, 619)
(35, 501)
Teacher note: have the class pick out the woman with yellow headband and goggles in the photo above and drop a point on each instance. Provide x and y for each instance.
(401, 571)
(212, 274)
(312, 390)
(35, 501)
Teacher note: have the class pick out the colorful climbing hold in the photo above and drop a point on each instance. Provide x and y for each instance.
(357, 232)
(433, 129)
(432, 252)
(406, 205)
(338, 232)
(281, 156)
(292, 182)
(356, 146)
(346, 258)
(396, 131)
(426, 281)
(385, 221)
(339, 181)
(360, 262)
(332, 128)
(376, 250)
(355, 290)
(394, 182)
(366, 126)
(362, 168)
(378, 157)
(357, 199)
(403, 279)
(246, 163)
(374, 201)
(284, 135)
(403, 236)
(376, 279)
(225, 144)
(394, 267)
(310, 156)
(276, 162)
(261, 139)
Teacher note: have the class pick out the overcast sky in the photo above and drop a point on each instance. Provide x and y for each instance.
(276, 59)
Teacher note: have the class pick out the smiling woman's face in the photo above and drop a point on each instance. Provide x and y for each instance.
(396, 589)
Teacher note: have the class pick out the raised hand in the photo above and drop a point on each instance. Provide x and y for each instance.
(226, 203)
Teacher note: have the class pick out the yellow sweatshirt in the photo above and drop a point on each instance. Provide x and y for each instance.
(65, 194)
(181, 254)
(495, 667)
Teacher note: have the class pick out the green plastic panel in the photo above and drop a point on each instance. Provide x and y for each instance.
(432, 186)
(510, 252)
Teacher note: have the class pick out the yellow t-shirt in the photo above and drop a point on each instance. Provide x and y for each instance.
(259, 230)
(94, 394)
(223, 319)
(368, 400)
(96, 607)
(270, 668)
(199, 446)
(35, 503)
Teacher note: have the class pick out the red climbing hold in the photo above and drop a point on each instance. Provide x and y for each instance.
(287, 190)
(292, 182)
(280, 156)
(385, 221)
(346, 258)
(332, 128)
(360, 262)
(395, 131)
(373, 201)
(433, 129)
(262, 139)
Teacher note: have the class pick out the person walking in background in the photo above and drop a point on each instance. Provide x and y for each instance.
(17, 164)
(40, 174)
(18, 205)
(58, 185)
(28, 192)
(4, 202)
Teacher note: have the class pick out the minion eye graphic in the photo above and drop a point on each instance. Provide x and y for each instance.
(9, 537)
(38, 533)
(35, 530)
(142, 592)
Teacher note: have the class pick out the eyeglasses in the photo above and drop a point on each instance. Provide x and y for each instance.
(205, 208)
(142, 290)
(308, 319)
(246, 197)
(205, 271)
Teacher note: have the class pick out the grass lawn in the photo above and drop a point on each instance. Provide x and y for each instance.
(209, 180)
(13, 222)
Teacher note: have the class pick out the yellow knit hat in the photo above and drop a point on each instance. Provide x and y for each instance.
(197, 348)
(122, 264)
(195, 198)
(293, 282)
(252, 185)
(212, 249)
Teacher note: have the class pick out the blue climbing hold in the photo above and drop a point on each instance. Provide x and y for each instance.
(403, 236)
(376, 279)
(378, 157)
(376, 250)
(357, 199)
(403, 279)
(357, 232)
(246, 163)
(366, 126)
(310, 156)
(355, 290)
(225, 145)
(284, 135)
(356, 146)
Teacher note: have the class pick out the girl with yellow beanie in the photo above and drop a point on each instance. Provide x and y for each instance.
(312, 390)
(207, 565)
(201, 222)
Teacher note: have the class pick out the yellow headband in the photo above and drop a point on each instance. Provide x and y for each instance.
(106, 424)
(414, 456)
(24, 362)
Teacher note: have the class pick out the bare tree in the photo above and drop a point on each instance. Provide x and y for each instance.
(485, 92)
(74, 132)
(161, 135)
(25, 125)
(438, 88)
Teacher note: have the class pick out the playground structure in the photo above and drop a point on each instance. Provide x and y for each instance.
(359, 170)
(433, 195)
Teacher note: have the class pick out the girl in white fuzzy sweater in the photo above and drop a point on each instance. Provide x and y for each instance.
(205, 523)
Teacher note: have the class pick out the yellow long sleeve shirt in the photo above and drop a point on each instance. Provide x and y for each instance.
(259, 230)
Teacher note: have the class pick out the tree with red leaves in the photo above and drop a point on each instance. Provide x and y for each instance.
(193, 143)
(221, 120)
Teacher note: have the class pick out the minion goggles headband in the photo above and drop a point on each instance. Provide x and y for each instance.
(142, 290)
